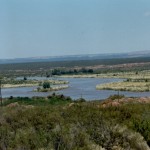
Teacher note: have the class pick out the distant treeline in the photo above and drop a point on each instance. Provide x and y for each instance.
(71, 71)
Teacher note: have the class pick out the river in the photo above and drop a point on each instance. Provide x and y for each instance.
(78, 87)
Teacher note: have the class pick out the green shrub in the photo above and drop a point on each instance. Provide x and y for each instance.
(116, 96)
(46, 85)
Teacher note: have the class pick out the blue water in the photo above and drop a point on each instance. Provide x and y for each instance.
(78, 87)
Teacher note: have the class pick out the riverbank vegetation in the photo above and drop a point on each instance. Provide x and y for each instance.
(125, 86)
(13, 83)
(57, 122)
(130, 75)
(133, 81)
(52, 88)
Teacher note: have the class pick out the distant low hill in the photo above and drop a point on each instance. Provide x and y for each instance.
(77, 57)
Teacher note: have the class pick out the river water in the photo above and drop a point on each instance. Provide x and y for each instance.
(78, 87)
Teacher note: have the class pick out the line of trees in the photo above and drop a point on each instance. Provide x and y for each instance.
(71, 71)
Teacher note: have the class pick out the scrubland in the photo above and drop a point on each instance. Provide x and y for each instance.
(59, 123)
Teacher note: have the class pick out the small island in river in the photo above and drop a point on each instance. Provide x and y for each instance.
(14, 83)
(52, 88)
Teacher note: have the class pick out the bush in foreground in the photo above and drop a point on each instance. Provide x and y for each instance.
(82, 126)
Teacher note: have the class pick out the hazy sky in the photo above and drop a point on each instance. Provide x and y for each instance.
(31, 28)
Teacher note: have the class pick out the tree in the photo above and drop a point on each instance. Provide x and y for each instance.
(83, 70)
(56, 72)
(90, 71)
(47, 74)
(75, 71)
(46, 85)
(25, 78)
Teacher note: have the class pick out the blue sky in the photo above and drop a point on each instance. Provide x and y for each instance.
(30, 28)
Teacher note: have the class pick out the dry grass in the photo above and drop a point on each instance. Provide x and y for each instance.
(125, 86)
(31, 83)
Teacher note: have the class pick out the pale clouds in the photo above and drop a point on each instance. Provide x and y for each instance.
(147, 14)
